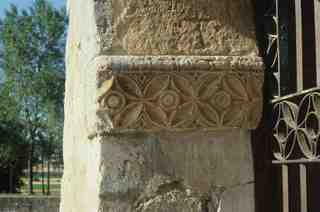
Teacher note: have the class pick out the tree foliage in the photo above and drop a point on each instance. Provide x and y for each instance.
(12, 156)
(32, 45)
(12, 143)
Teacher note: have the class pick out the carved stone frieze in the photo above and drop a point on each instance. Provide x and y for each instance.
(181, 93)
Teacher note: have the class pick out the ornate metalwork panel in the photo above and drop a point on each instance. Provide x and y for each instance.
(296, 126)
(296, 106)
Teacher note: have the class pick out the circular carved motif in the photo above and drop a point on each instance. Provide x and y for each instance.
(114, 101)
(169, 100)
(221, 99)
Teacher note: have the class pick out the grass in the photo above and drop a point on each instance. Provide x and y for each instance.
(52, 186)
(37, 186)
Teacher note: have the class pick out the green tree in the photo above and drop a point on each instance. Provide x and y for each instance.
(12, 143)
(32, 58)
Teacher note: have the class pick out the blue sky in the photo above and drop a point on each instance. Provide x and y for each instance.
(4, 4)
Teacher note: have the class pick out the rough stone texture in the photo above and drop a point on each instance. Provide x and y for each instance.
(176, 27)
(122, 52)
(15, 203)
(149, 172)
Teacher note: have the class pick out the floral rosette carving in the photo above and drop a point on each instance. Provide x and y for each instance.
(175, 101)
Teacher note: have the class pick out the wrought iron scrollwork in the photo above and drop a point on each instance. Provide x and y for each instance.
(295, 112)
(277, 52)
(273, 43)
(297, 126)
(273, 39)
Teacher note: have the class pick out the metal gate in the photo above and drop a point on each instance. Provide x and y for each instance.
(294, 50)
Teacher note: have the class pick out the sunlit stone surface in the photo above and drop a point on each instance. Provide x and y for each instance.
(160, 100)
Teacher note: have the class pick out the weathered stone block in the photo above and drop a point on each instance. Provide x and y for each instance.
(203, 169)
(176, 27)
(160, 98)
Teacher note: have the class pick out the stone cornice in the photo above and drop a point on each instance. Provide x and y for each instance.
(112, 65)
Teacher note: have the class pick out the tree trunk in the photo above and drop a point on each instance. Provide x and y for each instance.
(11, 179)
(42, 173)
(48, 176)
(30, 167)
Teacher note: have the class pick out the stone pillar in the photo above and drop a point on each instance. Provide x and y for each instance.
(161, 96)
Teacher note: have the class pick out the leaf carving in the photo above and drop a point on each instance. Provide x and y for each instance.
(234, 116)
(235, 87)
(128, 116)
(183, 86)
(156, 86)
(208, 88)
(129, 87)
(254, 87)
(183, 116)
(208, 115)
(174, 100)
(156, 115)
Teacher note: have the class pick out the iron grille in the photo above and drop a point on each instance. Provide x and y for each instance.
(294, 50)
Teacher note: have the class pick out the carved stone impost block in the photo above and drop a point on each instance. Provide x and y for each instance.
(177, 93)
(138, 73)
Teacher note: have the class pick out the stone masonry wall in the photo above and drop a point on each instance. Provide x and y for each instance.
(14, 203)
(161, 96)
